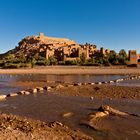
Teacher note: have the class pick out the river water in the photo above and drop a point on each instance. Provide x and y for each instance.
(50, 107)
(5, 80)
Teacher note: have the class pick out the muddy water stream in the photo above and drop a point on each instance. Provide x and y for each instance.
(6, 80)
(50, 107)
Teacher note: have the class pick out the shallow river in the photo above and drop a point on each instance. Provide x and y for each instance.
(50, 107)
(5, 80)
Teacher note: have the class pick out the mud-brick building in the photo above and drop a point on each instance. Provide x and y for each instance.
(133, 58)
(61, 48)
(138, 56)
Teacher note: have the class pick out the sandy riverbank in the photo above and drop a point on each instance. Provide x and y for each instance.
(95, 91)
(20, 128)
(72, 70)
(51, 105)
(101, 92)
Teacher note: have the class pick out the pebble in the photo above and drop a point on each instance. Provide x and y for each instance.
(40, 88)
(12, 94)
(91, 98)
(34, 90)
(68, 114)
(2, 97)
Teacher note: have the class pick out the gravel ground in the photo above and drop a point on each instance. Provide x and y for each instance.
(19, 128)
(101, 91)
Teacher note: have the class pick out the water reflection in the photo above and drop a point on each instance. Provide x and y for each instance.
(67, 78)
(132, 83)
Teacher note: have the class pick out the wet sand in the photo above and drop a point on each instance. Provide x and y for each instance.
(72, 70)
(101, 92)
(96, 91)
(20, 128)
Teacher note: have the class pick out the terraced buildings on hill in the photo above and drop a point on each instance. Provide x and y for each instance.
(61, 48)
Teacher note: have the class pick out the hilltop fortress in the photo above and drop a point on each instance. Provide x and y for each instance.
(63, 49)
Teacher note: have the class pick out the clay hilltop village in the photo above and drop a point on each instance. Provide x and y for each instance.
(55, 88)
(41, 50)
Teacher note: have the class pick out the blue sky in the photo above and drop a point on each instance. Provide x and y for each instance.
(113, 24)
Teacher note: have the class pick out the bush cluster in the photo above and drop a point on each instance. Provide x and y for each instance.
(22, 61)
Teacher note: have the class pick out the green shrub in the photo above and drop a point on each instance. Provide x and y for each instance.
(132, 65)
(24, 65)
(52, 60)
(2, 63)
(15, 66)
(71, 62)
(40, 63)
(10, 66)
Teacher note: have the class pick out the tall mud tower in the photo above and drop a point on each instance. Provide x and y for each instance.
(133, 56)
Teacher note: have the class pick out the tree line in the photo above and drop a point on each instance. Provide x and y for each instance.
(111, 58)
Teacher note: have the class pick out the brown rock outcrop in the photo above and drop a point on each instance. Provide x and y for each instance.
(103, 111)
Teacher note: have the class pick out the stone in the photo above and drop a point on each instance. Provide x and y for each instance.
(59, 123)
(117, 80)
(98, 115)
(92, 83)
(104, 82)
(59, 86)
(12, 94)
(112, 110)
(67, 114)
(91, 98)
(99, 83)
(48, 88)
(111, 81)
(75, 84)
(84, 83)
(102, 112)
(2, 97)
(132, 78)
(93, 118)
(40, 88)
(79, 84)
(26, 92)
(88, 83)
(45, 88)
(34, 90)
(121, 79)
(22, 92)
(69, 85)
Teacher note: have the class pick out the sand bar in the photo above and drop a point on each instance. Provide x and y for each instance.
(72, 70)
